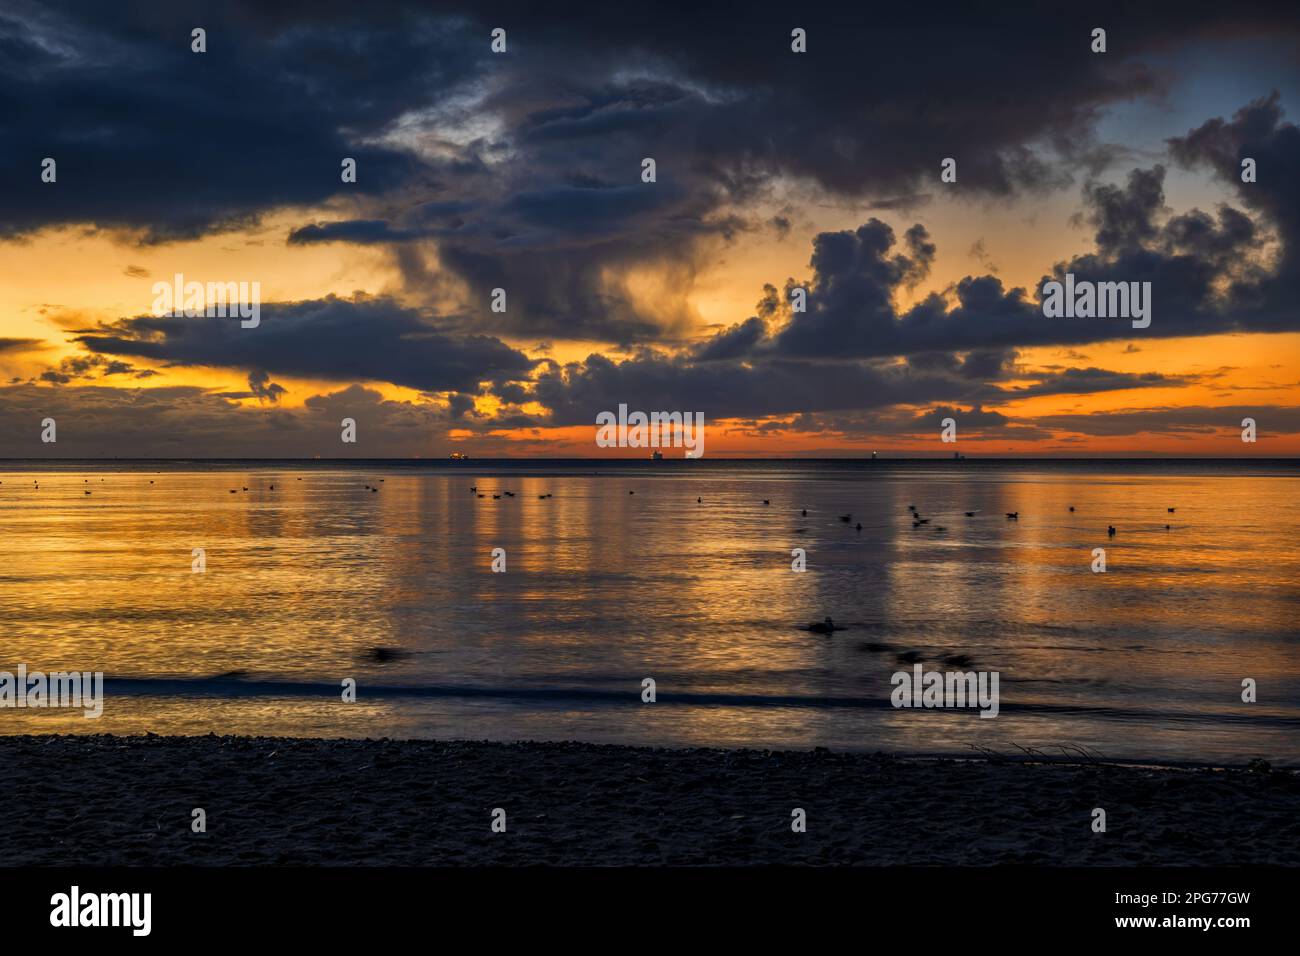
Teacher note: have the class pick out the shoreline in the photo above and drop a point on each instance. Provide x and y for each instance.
(129, 801)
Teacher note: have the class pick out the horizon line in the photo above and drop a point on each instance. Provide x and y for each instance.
(669, 461)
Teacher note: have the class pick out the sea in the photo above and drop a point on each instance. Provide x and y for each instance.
(667, 603)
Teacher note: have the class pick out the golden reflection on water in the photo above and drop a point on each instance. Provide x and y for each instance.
(604, 588)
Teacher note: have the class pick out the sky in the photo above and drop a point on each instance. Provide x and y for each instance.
(523, 170)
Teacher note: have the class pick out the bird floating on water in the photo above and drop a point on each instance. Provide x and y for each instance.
(1110, 530)
(971, 514)
(1013, 515)
(846, 518)
(824, 627)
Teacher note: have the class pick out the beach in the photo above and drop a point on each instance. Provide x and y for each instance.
(100, 800)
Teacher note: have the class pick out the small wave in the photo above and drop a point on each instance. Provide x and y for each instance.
(236, 685)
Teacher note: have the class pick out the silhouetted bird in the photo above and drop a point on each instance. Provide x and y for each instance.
(970, 514)
(859, 525)
(805, 512)
(823, 627)
(1171, 510)
(1110, 530)
(631, 492)
(846, 518)
(698, 500)
(766, 501)
(1072, 508)
(1013, 515)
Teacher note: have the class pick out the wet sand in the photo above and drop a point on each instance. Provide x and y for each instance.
(103, 800)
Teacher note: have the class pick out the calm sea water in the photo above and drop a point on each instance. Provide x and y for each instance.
(605, 587)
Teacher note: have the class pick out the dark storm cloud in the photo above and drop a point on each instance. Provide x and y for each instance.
(261, 386)
(1085, 381)
(1190, 421)
(975, 418)
(734, 342)
(652, 380)
(358, 339)
(729, 389)
(88, 366)
(1259, 132)
(1206, 272)
(150, 136)
(183, 421)
(527, 164)
(20, 345)
(974, 424)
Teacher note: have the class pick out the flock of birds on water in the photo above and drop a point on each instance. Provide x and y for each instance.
(825, 626)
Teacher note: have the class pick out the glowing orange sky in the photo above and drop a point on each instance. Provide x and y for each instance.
(65, 280)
